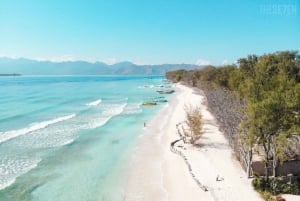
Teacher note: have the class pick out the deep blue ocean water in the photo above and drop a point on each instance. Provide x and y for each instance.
(67, 137)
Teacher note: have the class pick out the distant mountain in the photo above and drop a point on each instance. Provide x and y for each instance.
(33, 67)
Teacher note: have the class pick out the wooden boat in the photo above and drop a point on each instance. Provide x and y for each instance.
(165, 91)
(160, 99)
(149, 103)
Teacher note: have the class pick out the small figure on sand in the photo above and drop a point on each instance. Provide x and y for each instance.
(219, 178)
(144, 124)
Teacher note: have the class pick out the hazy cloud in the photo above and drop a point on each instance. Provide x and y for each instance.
(225, 62)
(203, 62)
(66, 57)
(111, 61)
(9, 56)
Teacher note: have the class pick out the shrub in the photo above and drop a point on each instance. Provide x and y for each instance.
(193, 121)
(257, 183)
(276, 186)
(267, 196)
(260, 184)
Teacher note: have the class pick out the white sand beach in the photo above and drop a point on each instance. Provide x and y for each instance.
(159, 174)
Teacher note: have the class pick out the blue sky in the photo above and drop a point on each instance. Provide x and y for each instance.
(148, 31)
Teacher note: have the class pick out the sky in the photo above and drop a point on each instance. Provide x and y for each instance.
(148, 31)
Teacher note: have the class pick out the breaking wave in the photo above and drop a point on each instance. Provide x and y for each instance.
(7, 135)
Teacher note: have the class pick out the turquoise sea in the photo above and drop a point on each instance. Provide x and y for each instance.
(67, 137)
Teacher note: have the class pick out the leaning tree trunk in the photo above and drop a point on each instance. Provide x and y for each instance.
(267, 172)
(266, 146)
(249, 163)
(275, 158)
(275, 162)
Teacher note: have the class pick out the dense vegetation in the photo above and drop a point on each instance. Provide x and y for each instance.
(267, 88)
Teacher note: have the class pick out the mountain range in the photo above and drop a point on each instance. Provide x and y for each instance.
(33, 67)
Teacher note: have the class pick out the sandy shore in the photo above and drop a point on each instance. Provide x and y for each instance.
(159, 174)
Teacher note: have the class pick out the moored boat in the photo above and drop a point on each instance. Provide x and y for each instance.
(149, 103)
(165, 91)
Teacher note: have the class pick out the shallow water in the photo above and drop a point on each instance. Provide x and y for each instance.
(67, 138)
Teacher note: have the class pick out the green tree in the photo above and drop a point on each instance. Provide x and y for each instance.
(223, 75)
(247, 65)
(272, 104)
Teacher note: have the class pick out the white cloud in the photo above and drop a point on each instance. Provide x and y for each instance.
(111, 61)
(139, 62)
(66, 57)
(225, 62)
(9, 56)
(202, 62)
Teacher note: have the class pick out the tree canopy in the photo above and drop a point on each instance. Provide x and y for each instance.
(270, 86)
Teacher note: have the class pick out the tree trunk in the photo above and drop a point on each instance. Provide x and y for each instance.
(275, 159)
(267, 171)
(274, 167)
(266, 146)
(274, 164)
(249, 163)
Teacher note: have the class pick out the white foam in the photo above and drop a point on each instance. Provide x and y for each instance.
(7, 183)
(112, 111)
(133, 109)
(66, 142)
(10, 169)
(94, 103)
(146, 86)
(106, 115)
(7, 135)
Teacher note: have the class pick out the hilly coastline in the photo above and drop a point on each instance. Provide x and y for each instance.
(33, 67)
